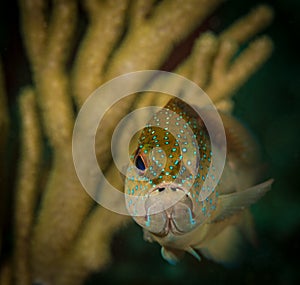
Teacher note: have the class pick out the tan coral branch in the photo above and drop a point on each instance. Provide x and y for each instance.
(61, 33)
(249, 25)
(34, 26)
(26, 188)
(226, 79)
(167, 26)
(203, 50)
(196, 67)
(52, 81)
(63, 209)
(202, 57)
(243, 67)
(226, 105)
(48, 49)
(92, 251)
(139, 10)
(221, 64)
(105, 28)
(63, 193)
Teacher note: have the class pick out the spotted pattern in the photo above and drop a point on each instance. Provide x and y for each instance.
(175, 148)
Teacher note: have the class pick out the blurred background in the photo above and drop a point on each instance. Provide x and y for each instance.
(269, 104)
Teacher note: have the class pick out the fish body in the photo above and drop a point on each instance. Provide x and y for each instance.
(172, 190)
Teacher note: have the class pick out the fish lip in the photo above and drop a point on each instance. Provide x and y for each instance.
(172, 228)
(169, 229)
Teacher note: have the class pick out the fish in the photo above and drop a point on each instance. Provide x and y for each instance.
(172, 192)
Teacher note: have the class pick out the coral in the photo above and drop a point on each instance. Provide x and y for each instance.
(28, 178)
(60, 236)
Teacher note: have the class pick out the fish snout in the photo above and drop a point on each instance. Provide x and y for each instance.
(168, 209)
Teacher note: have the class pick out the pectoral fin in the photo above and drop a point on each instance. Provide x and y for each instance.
(229, 204)
(194, 253)
(147, 236)
(240, 141)
(173, 256)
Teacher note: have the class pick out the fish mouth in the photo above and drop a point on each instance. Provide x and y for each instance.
(169, 209)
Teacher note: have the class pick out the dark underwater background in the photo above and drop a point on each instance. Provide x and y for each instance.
(269, 104)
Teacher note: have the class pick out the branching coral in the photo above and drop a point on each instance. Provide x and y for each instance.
(28, 178)
(69, 237)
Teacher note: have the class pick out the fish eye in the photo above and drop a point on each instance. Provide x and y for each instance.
(139, 163)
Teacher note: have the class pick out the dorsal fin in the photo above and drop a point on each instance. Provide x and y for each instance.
(240, 142)
(177, 105)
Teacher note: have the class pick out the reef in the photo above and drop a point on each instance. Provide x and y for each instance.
(59, 235)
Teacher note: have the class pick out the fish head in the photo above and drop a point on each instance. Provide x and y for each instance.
(166, 173)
